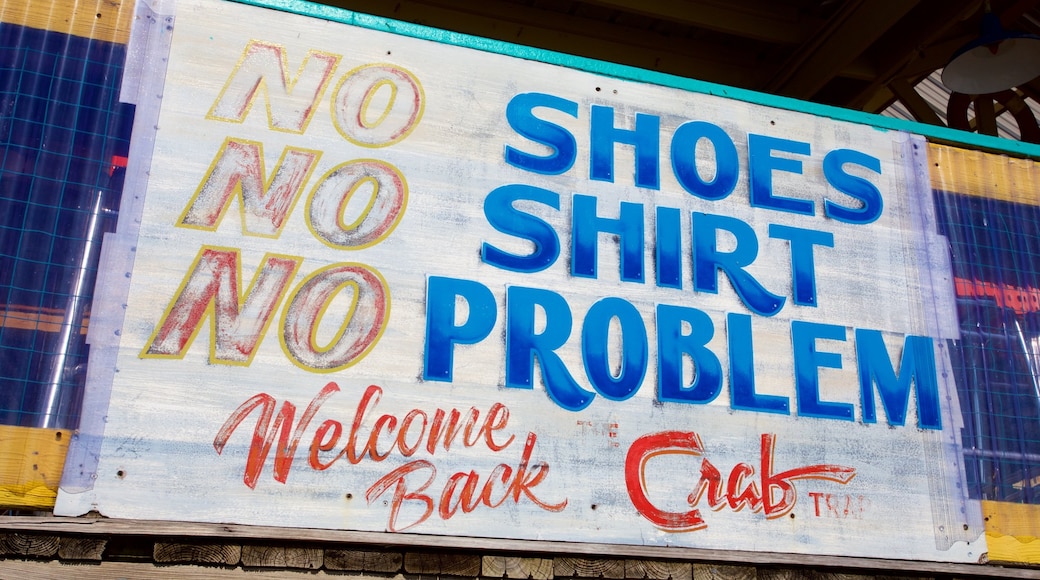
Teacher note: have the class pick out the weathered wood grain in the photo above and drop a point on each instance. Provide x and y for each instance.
(444, 564)
(275, 556)
(517, 567)
(174, 553)
(81, 548)
(37, 570)
(167, 529)
(784, 574)
(35, 545)
(842, 576)
(589, 568)
(658, 570)
(717, 572)
(364, 561)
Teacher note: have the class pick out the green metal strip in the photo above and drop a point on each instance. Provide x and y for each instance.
(620, 71)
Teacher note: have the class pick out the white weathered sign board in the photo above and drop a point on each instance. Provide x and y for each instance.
(385, 283)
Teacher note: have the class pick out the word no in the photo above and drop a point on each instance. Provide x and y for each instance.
(373, 106)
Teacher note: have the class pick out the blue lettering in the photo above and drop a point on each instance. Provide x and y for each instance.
(442, 334)
(634, 350)
(806, 362)
(917, 366)
(520, 114)
(761, 166)
(668, 246)
(523, 344)
(645, 138)
(586, 226)
(803, 270)
(684, 160)
(673, 343)
(853, 185)
(501, 215)
(708, 261)
(742, 371)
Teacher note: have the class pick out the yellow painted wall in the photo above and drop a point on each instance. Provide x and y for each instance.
(100, 19)
(31, 461)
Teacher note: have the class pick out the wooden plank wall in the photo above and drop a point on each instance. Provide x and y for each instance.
(73, 557)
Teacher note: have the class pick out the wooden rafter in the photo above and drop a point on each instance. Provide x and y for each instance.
(914, 102)
(846, 36)
(767, 21)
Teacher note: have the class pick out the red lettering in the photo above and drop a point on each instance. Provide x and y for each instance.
(211, 287)
(524, 480)
(639, 453)
(410, 505)
(749, 497)
(816, 501)
(465, 499)
(264, 433)
(782, 481)
(406, 425)
(840, 506)
(497, 418)
(321, 444)
(523, 484)
(710, 482)
(239, 167)
(454, 427)
(387, 422)
(435, 429)
(773, 494)
(396, 478)
(372, 395)
(501, 472)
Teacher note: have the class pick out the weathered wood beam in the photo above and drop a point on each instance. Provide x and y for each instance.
(658, 570)
(766, 21)
(518, 568)
(918, 45)
(611, 569)
(914, 102)
(878, 101)
(115, 528)
(985, 116)
(380, 561)
(197, 553)
(268, 556)
(81, 548)
(847, 35)
(1031, 89)
(31, 545)
(438, 564)
(922, 43)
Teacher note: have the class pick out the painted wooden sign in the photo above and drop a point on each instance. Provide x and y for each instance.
(388, 284)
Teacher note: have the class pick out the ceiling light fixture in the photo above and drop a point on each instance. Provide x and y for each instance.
(997, 60)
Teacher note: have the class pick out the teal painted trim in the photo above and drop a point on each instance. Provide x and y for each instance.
(630, 73)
